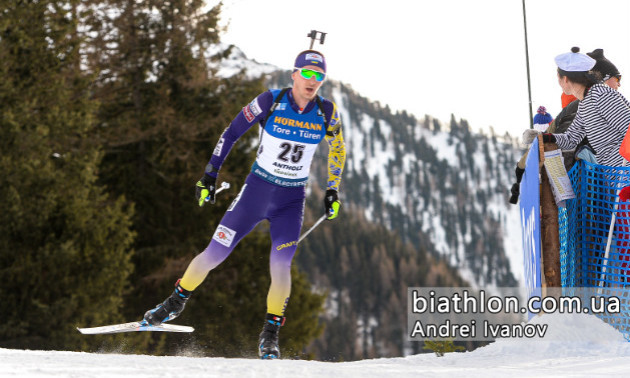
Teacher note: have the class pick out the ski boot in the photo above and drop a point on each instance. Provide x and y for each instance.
(268, 348)
(170, 308)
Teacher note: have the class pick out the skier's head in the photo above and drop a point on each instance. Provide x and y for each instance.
(310, 58)
(610, 73)
(309, 72)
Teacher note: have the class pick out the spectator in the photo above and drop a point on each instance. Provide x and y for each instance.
(612, 78)
(542, 119)
(603, 115)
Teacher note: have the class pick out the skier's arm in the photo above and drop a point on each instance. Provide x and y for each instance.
(336, 149)
(251, 114)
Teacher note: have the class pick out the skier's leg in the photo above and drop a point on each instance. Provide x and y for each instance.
(285, 228)
(245, 212)
(285, 231)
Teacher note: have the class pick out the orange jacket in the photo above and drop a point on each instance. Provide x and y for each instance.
(567, 99)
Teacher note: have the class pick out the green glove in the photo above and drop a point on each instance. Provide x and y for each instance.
(331, 204)
(205, 189)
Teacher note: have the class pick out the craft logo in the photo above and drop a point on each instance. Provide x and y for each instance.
(286, 245)
(224, 235)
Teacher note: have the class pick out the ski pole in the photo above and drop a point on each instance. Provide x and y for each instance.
(320, 220)
(611, 229)
(224, 185)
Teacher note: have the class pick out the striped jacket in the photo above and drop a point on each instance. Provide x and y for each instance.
(603, 116)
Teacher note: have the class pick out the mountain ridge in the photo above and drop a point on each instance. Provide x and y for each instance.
(441, 189)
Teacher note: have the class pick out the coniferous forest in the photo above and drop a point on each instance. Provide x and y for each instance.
(109, 112)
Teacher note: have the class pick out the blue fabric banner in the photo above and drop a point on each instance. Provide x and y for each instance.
(530, 222)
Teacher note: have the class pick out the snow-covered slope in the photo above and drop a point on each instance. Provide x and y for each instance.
(575, 345)
(424, 176)
(233, 61)
(438, 186)
(439, 179)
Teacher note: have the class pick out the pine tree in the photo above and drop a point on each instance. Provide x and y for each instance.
(64, 243)
(162, 111)
(441, 347)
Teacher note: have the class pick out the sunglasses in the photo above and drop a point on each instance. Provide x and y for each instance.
(608, 77)
(307, 74)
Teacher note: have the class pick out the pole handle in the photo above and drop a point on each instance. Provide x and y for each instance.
(224, 185)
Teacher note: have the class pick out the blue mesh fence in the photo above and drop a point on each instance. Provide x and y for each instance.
(568, 249)
(587, 258)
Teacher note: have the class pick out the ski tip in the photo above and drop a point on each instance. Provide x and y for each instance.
(87, 331)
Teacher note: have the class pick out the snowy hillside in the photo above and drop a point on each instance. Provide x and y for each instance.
(446, 181)
(437, 186)
(233, 61)
(424, 178)
(576, 345)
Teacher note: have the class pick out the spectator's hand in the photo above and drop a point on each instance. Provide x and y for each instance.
(205, 188)
(528, 136)
(516, 191)
(331, 204)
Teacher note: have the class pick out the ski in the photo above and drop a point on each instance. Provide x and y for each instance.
(134, 327)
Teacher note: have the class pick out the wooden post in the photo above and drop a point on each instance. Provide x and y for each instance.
(549, 225)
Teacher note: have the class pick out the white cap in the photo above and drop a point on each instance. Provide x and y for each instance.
(574, 61)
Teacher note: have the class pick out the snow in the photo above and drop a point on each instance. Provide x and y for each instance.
(375, 153)
(575, 345)
(236, 62)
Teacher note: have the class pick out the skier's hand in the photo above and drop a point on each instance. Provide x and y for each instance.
(331, 204)
(205, 189)
(528, 136)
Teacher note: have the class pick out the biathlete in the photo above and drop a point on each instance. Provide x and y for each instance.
(292, 123)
